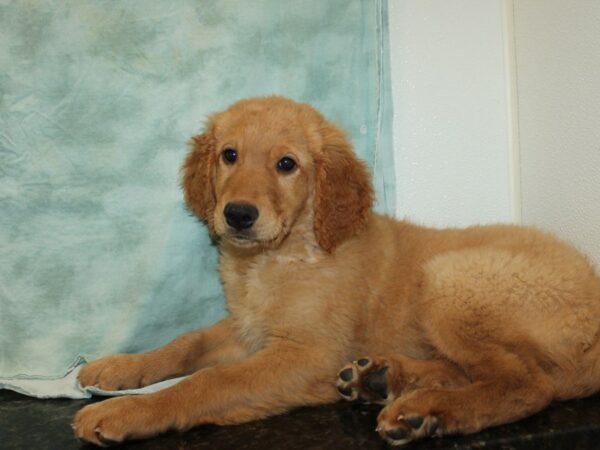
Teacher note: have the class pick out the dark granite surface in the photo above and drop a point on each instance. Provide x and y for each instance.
(27, 423)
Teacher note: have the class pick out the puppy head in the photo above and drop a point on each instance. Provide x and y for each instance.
(266, 162)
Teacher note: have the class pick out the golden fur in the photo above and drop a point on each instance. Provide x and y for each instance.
(469, 327)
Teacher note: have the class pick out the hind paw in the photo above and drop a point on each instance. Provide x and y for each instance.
(402, 429)
(364, 380)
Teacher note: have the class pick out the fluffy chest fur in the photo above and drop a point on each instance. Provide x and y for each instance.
(262, 296)
(271, 297)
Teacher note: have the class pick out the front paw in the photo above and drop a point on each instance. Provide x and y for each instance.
(117, 372)
(117, 419)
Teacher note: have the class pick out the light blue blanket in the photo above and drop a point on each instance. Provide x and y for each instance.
(97, 101)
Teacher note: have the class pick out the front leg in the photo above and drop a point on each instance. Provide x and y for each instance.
(184, 355)
(282, 375)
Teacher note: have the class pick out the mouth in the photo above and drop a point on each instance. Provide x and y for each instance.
(242, 239)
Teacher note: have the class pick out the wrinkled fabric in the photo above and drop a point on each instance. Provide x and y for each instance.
(97, 102)
(67, 385)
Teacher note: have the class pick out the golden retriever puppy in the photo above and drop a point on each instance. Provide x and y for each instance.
(467, 328)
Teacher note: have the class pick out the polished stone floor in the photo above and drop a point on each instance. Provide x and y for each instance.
(27, 423)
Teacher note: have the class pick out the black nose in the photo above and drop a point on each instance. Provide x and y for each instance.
(240, 215)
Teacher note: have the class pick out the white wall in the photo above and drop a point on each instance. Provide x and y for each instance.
(558, 73)
(497, 113)
(452, 123)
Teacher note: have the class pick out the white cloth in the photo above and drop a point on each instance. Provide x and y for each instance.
(68, 386)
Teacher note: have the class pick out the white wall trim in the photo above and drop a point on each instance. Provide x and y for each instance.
(514, 151)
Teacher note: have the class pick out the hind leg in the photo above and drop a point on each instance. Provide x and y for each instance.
(383, 379)
(501, 398)
(473, 316)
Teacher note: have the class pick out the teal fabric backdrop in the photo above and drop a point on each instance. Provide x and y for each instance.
(97, 102)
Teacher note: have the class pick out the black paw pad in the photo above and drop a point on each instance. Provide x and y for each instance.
(345, 391)
(346, 374)
(362, 362)
(376, 382)
(396, 434)
(415, 421)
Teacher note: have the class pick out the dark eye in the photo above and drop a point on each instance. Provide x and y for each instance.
(286, 164)
(230, 156)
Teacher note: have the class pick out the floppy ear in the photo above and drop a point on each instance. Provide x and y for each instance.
(343, 191)
(198, 177)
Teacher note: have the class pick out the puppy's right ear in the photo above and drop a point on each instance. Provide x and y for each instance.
(198, 177)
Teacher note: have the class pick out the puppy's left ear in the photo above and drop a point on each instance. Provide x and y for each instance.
(343, 190)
